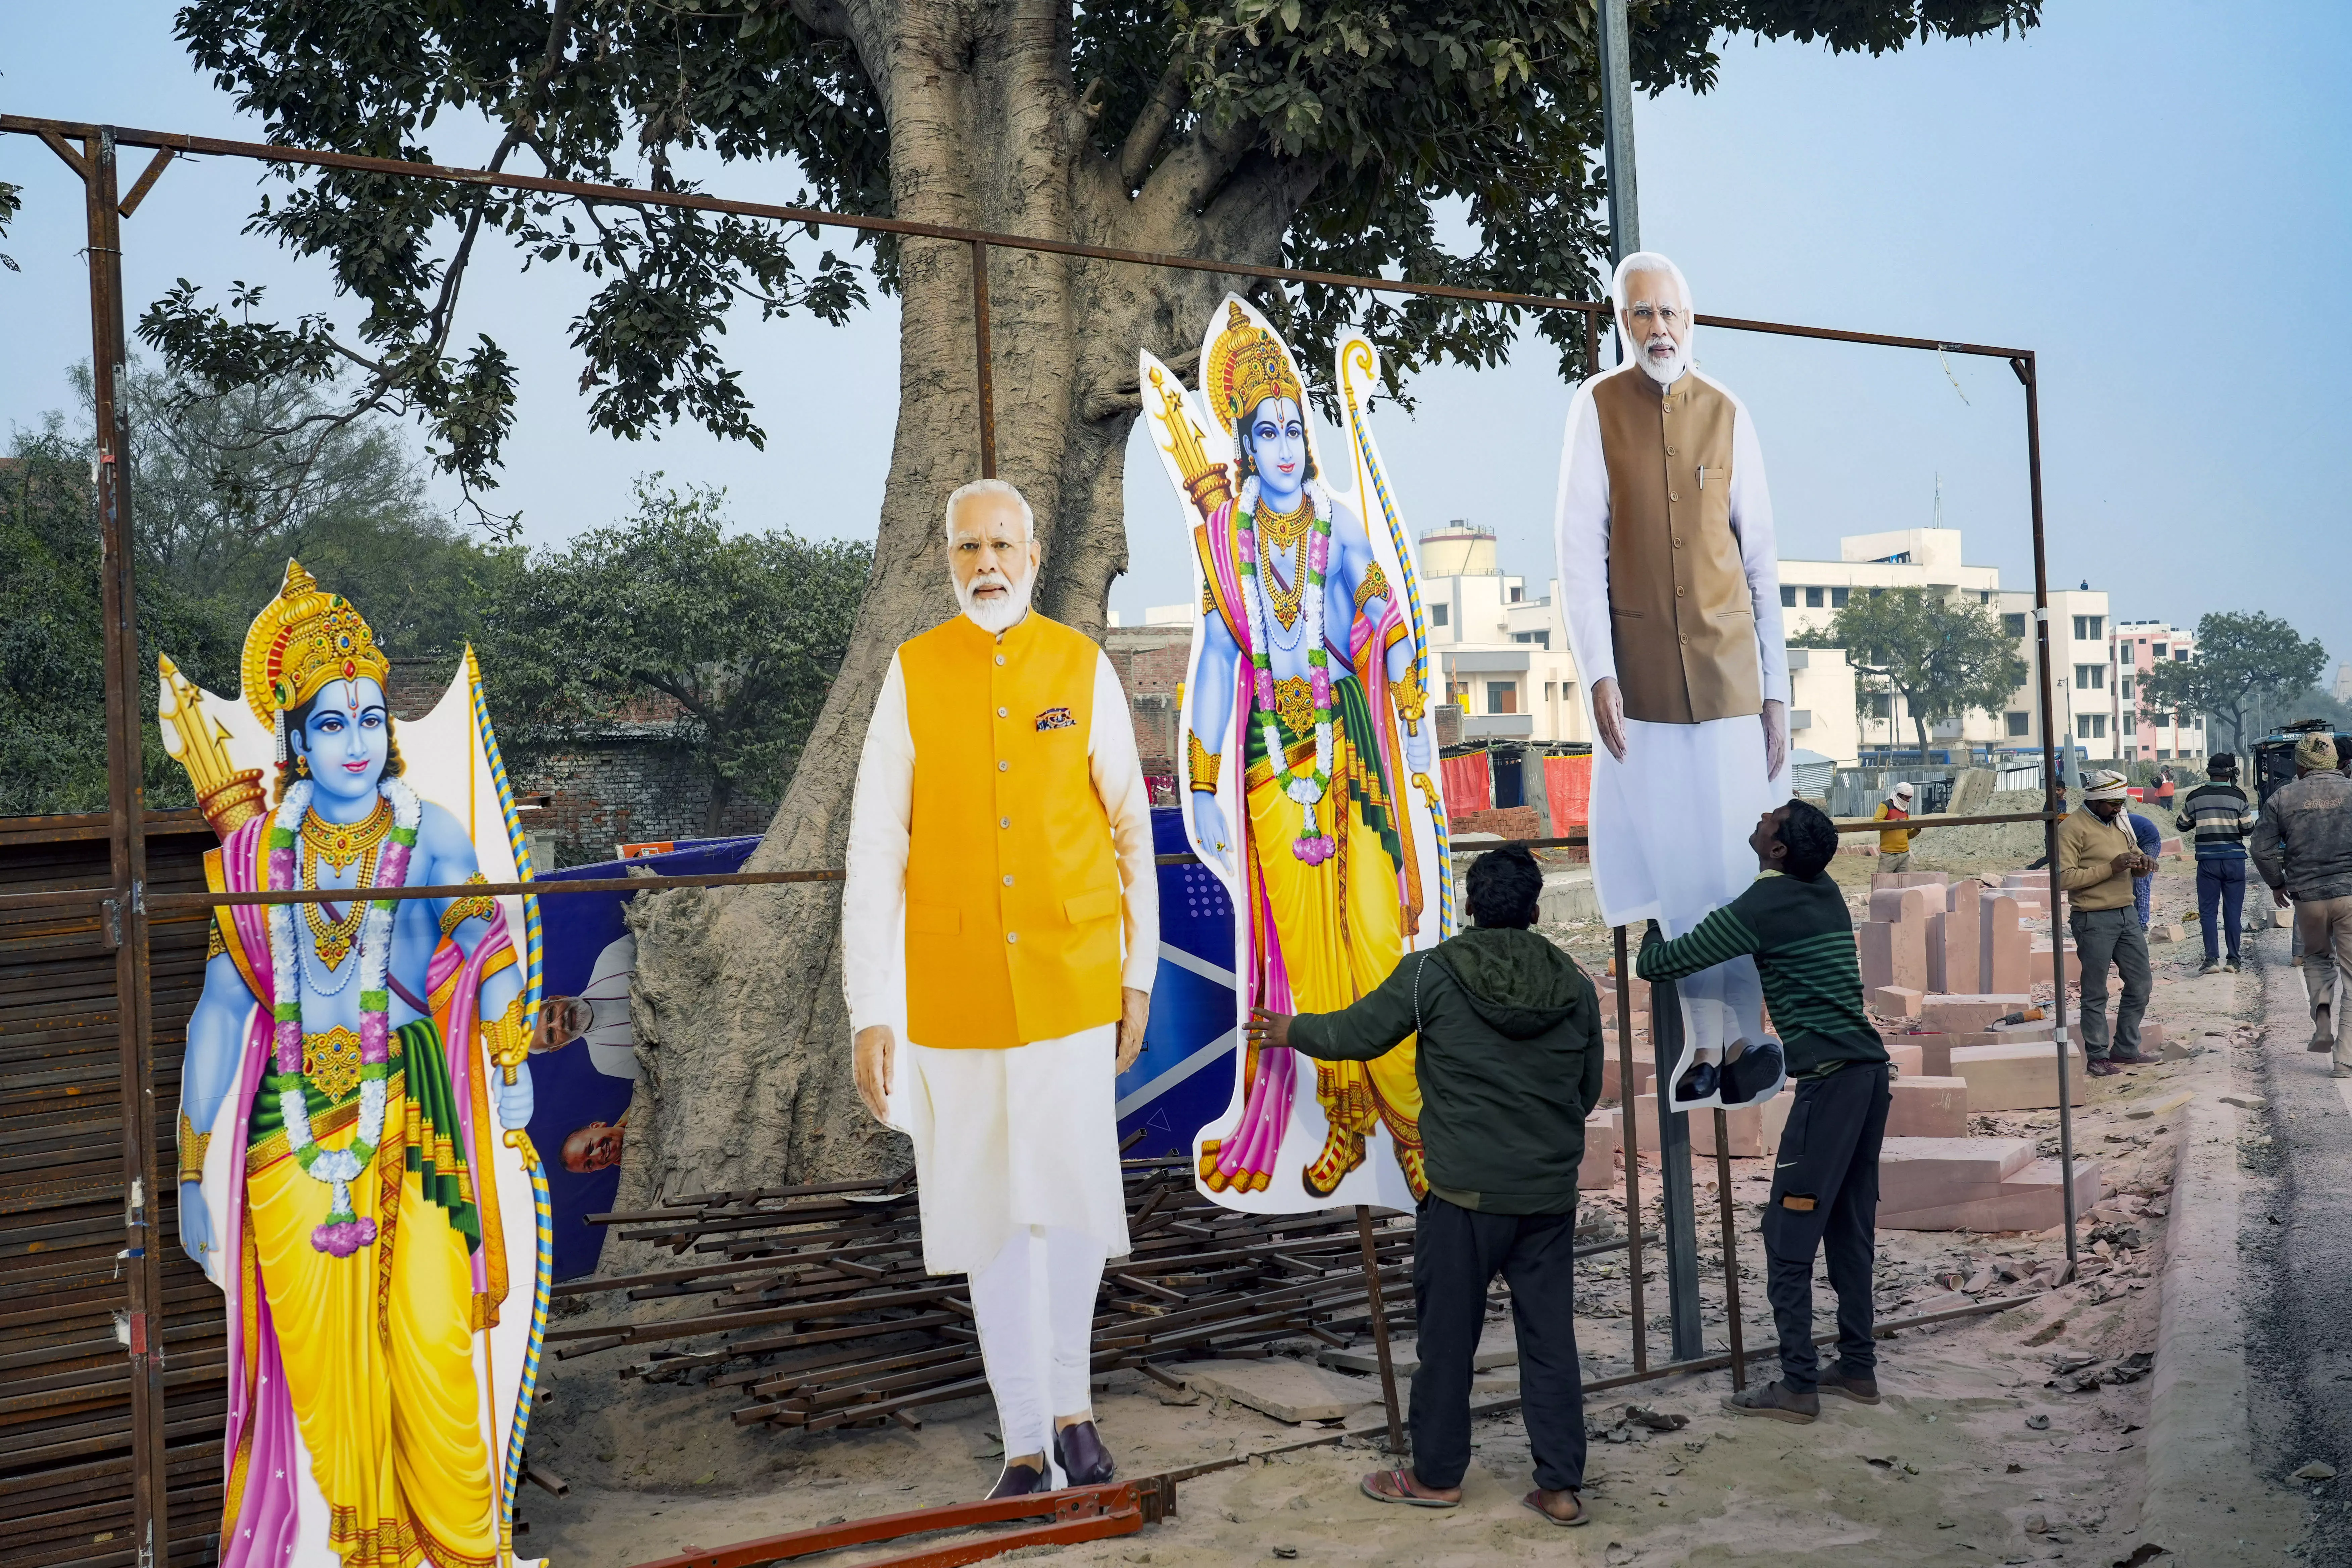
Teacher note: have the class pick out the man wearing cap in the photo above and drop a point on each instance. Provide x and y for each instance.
(1000, 930)
(2303, 847)
(2098, 858)
(2218, 816)
(1895, 843)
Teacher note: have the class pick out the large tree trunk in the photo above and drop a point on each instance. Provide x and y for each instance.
(741, 1019)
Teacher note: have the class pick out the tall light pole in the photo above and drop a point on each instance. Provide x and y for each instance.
(1617, 131)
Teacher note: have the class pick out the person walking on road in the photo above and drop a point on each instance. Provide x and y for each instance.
(1509, 1063)
(1895, 843)
(2150, 839)
(2219, 817)
(1824, 1196)
(2303, 847)
(2098, 856)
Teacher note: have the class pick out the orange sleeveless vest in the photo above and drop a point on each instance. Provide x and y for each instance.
(1013, 895)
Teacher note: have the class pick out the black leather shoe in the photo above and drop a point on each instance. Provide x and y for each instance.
(1018, 1480)
(2131, 1058)
(1697, 1083)
(1079, 1450)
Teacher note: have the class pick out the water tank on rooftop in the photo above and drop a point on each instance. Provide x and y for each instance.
(1458, 550)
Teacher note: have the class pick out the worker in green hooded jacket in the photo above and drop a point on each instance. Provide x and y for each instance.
(1510, 1065)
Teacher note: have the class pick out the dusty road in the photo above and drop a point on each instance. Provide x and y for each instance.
(2298, 1246)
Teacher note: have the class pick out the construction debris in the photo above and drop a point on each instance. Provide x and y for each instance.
(825, 1317)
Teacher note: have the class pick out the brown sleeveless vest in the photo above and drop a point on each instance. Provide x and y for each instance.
(1679, 610)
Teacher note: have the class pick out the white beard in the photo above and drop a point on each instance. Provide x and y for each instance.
(997, 614)
(1669, 373)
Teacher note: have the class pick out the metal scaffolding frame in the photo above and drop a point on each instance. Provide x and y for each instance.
(127, 907)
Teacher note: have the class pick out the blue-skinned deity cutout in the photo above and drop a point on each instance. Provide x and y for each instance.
(1309, 755)
(354, 1170)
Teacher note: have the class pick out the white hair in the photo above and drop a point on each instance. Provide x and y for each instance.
(990, 488)
(1647, 261)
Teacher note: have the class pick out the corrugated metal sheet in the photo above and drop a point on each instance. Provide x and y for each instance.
(65, 1397)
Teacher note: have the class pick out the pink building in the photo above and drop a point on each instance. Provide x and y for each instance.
(2142, 733)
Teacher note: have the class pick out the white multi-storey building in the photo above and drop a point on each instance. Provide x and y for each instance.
(1503, 654)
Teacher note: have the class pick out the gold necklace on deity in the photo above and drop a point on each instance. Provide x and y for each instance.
(1286, 533)
(340, 845)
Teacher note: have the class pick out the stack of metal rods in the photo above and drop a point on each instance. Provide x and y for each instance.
(831, 1321)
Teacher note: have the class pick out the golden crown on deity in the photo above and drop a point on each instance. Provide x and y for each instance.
(1247, 365)
(302, 640)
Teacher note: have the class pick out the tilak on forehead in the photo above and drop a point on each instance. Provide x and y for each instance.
(302, 641)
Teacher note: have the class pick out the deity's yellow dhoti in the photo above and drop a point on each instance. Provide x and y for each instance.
(378, 1347)
(1337, 927)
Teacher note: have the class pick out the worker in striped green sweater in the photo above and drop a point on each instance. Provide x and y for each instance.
(1793, 920)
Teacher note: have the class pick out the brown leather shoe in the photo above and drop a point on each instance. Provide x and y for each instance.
(1778, 1401)
(2099, 1066)
(1861, 1390)
(2131, 1058)
(1079, 1450)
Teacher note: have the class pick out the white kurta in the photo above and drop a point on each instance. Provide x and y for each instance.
(1670, 822)
(1027, 1136)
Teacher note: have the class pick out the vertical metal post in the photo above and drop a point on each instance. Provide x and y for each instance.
(128, 853)
(1677, 1222)
(1374, 1293)
(2025, 371)
(1617, 131)
(984, 358)
(1730, 1250)
(1591, 369)
(1631, 1143)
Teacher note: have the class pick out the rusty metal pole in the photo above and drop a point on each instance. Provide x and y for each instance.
(1730, 1248)
(2025, 368)
(142, 1245)
(1592, 344)
(984, 358)
(1374, 1293)
(1630, 1141)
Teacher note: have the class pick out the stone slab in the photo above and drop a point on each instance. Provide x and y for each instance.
(2030, 1200)
(1894, 952)
(1955, 943)
(2022, 1077)
(1952, 1161)
(1907, 1060)
(1929, 1050)
(1896, 1002)
(2038, 963)
(1899, 905)
(1959, 1013)
(1744, 1125)
(1645, 1071)
(1598, 1166)
(1929, 1108)
(2001, 947)
(1499, 1345)
(2166, 931)
(1287, 1390)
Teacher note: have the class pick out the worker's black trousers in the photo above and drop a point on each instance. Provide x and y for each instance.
(1455, 1253)
(1825, 1197)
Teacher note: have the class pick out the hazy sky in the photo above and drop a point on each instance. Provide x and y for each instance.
(2145, 192)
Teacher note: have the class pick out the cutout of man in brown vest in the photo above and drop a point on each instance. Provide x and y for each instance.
(1000, 931)
(1671, 581)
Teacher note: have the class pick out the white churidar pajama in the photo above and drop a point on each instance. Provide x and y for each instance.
(1017, 1150)
(1670, 822)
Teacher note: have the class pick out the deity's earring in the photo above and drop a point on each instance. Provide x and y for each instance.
(302, 767)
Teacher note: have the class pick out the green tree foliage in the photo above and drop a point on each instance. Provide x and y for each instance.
(721, 644)
(1358, 130)
(2247, 664)
(1945, 656)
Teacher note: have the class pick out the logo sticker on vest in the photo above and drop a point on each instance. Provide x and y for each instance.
(1057, 719)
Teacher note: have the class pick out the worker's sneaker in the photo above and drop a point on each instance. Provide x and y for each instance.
(2340, 1070)
(2229, 965)
(1776, 1400)
(2211, 966)
(2323, 1030)
(1862, 1390)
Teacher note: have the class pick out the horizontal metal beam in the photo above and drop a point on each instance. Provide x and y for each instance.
(631, 195)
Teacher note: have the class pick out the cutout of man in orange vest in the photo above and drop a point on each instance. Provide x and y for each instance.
(1000, 930)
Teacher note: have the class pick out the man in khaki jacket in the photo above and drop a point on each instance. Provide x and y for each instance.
(2098, 858)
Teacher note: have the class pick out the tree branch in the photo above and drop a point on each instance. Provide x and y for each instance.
(1150, 127)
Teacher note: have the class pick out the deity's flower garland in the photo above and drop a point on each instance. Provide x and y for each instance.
(1306, 787)
(343, 1233)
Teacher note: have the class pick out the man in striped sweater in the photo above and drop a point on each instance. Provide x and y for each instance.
(2220, 817)
(1793, 920)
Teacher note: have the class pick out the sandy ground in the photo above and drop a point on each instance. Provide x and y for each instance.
(1986, 1450)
